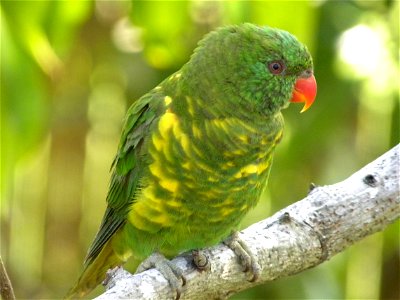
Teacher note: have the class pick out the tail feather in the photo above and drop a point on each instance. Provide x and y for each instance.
(94, 272)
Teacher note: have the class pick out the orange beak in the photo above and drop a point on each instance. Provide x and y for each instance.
(305, 91)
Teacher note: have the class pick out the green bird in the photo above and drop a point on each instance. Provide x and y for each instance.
(195, 152)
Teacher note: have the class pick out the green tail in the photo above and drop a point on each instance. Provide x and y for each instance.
(94, 272)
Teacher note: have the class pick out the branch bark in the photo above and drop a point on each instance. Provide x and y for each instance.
(301, 236)
(6, 289)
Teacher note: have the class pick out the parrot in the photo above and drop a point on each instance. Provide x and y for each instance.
(196, 151)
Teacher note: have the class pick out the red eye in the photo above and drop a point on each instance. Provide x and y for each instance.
(276, 67)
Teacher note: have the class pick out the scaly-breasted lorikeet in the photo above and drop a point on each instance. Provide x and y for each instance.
(196, 151)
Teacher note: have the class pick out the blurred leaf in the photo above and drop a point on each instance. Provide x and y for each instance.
(24, 111)
(167, 28)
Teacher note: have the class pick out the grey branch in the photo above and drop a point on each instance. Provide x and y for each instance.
(6, 289)
(301, 236)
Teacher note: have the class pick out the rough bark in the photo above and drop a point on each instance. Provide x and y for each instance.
(301, 236)
(6, 289)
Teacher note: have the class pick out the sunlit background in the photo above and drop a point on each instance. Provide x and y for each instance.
(70, 70)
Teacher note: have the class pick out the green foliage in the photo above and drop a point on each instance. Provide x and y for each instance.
(70, 69)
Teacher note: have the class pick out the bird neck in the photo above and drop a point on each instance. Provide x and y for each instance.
(215, 100)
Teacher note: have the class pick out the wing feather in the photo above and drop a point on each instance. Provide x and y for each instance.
(126, 170)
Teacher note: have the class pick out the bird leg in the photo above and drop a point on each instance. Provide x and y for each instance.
(171, 272)
(246, 257)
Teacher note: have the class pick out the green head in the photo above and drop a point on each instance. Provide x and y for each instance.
(257, 68)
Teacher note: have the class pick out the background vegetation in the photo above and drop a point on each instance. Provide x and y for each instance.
(70, 70)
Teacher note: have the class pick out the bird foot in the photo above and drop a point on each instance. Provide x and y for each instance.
(200, 260)
(247, 259)
(171, 272)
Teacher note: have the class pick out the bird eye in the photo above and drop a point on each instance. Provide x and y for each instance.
(276, 67)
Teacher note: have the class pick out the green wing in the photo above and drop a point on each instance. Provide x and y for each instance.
(127, 169)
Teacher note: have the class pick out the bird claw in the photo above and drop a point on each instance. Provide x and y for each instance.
(171, 272)
(200, 260)
(247, 259)
(109, 275)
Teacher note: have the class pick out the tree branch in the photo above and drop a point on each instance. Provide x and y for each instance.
(6, 289)
(301, 236)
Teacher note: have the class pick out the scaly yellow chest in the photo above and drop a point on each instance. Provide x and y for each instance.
(201, 174)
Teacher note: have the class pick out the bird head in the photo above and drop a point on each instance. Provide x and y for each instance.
(261, 68)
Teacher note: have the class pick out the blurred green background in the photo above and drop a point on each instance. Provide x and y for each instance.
(70, 70)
